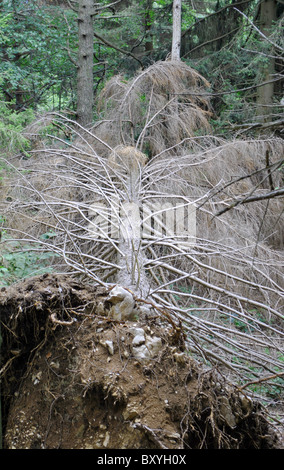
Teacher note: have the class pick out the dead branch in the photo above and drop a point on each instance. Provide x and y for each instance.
(264, 379)
(260, 197)
(113, 46)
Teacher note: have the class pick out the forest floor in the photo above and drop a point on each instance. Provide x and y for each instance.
(71, 380)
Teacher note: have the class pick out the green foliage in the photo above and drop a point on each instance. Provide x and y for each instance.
(34, 60)
(162, 9)
(18, 260)
(236, 68)
(272, 388)
(11, 127)
(228, 71)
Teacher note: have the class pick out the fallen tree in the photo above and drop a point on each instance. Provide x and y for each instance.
(129, 207)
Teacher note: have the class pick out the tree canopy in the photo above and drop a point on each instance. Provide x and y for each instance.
(236, 46)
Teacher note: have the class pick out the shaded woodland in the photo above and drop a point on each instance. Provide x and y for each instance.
(141, 216)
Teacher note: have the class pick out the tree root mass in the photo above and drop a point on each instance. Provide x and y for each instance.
(63, 386)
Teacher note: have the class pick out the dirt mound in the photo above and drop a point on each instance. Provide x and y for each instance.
(72, 378)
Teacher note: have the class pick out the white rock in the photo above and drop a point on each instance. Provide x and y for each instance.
(154, 344)
(117, 294)
(122, 303)
(138, 340)
(109, 345)
(147, 349)
(106, 440)
(137, 331)
(141, 353)
(143, 310)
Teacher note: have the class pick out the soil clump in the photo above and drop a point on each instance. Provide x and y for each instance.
(75, 378)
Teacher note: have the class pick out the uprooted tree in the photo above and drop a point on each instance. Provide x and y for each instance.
(130, 205)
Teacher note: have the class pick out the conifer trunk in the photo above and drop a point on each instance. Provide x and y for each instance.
(85, 89)
(131, 258)
(265, 93)
(176, 38)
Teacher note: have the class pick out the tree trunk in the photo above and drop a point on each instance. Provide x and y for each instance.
(148, 25)
(131, 257)
(85, 89)
(176, 38)
(265, 93)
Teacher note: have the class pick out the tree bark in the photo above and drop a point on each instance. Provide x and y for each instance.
(148, 25)
(85, 90)
(131, 257)
(176, 38)
(265, 93)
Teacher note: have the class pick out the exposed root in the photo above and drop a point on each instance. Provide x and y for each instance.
(67, 388)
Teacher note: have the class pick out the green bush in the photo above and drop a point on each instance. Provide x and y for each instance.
(11, 128)
(18, 261)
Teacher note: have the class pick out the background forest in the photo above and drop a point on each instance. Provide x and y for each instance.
(79, 79)
(236, 46)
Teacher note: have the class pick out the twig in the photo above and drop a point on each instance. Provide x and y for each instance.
(230, 92)
(265, 379)
(113, 46)
(245, 200)
(152, 433)
(258, 30)
(54, 319)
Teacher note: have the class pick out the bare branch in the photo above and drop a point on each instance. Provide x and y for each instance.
(259, 32)
(113, 46)
(260, 197)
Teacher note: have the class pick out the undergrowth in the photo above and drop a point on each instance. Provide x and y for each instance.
(21, 260)
(12, 125)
